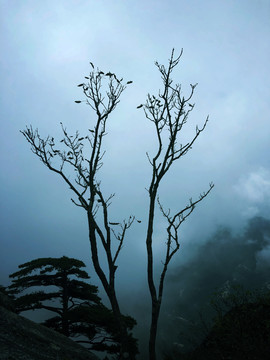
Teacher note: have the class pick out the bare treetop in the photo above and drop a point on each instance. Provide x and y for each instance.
(168, 111)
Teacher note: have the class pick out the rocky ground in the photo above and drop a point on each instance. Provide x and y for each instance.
(22, 339)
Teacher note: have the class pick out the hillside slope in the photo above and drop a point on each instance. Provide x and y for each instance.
(22, 339)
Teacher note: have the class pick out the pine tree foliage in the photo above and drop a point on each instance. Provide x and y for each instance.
(78, 308)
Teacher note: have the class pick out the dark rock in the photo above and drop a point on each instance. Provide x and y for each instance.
(22, 339)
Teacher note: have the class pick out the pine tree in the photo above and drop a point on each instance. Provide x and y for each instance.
(78, 308)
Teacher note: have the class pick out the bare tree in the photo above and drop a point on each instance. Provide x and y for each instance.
(89, 196)
(168, 111)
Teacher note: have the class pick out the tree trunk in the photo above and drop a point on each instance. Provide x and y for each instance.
(150, 275)
(153, 330)
(65, 325)
(110, 291)
(125, 351)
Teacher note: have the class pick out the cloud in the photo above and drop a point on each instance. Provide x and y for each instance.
(263, 257)
(254, 188)
(223, 260)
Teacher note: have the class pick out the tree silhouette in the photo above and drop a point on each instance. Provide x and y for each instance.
(87, 188)
(169, 111)
(78, 307)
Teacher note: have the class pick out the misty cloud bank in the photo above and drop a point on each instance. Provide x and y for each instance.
(222, 261)
(218, 262)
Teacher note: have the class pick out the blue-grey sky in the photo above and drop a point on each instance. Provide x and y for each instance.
(46, 47)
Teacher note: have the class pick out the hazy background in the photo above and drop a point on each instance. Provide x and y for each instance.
(45, 52)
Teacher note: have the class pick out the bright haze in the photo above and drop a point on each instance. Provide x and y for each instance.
(46, 47)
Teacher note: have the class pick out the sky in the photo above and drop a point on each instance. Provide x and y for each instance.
(46, 48)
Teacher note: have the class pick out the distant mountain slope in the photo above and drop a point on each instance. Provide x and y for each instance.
(242, 333)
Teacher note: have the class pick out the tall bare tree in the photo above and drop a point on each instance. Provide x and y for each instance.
(169, 111)
(87, 188)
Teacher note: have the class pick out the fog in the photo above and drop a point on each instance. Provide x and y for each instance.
(46, 49)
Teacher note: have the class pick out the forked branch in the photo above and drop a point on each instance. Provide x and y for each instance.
(169, 112)
(72, 156)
